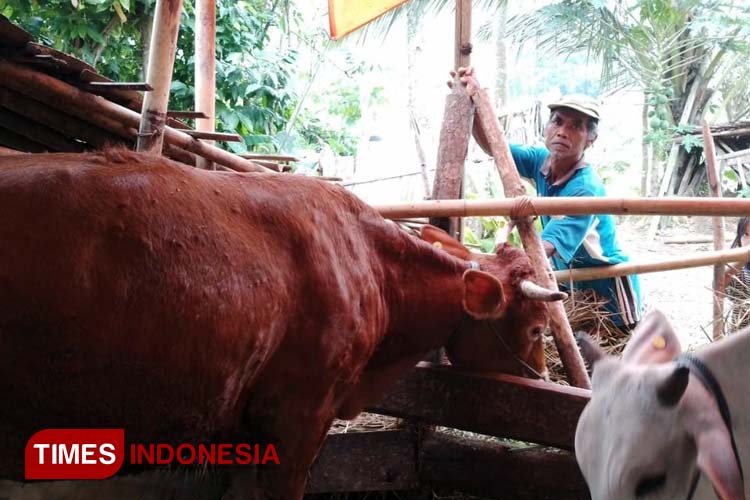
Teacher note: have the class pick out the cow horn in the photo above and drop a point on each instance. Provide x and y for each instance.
(533, 291)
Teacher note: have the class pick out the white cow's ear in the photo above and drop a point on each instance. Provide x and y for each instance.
(653, 341)
(484, 296)
(716, 460)
(439, 238)
(590, 350)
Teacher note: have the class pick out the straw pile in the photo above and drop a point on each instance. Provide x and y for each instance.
(586, 312)
(738, 291)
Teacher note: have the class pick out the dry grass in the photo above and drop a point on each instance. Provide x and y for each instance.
(738, 313)
(586, 312)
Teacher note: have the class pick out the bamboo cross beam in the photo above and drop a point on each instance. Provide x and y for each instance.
(584, 205)
(735, 255)
(489, 127)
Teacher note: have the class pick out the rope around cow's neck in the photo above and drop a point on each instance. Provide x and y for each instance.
(703, 373)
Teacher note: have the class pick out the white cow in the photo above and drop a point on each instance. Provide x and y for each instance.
(653, 425)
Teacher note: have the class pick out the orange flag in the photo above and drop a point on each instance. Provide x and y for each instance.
(346, 16)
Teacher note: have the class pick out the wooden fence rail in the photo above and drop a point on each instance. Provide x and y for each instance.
(494, 404)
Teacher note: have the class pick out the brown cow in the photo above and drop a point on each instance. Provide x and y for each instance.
(187, 306)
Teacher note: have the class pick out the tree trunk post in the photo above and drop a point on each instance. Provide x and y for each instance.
(159, 76)
(452, 150)
(714, 183)
(205, 71)
(456, 128)
(561, 331)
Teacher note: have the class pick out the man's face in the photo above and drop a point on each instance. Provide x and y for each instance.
(567, 135)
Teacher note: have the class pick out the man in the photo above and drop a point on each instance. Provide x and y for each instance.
(559, 169)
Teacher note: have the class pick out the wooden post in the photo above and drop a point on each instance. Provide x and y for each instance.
(561, 331)
(456, 128)
(454, 145)
(714, 183)
(160, 65)
(463, 34)
(205, 70)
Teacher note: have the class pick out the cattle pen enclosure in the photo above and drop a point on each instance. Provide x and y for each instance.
(484, 434)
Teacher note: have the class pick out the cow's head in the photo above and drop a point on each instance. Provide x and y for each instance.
(505, 334)
(649, 424)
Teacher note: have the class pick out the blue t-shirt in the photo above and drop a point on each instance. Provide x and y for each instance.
(583, 240)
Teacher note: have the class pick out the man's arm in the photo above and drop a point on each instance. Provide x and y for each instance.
(549, 248)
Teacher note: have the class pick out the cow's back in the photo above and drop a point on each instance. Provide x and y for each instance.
(154, 295)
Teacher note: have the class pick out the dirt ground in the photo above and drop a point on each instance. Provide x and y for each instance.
(683, 295)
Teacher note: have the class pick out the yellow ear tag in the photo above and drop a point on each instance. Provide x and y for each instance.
(437, 244)
(658, 342)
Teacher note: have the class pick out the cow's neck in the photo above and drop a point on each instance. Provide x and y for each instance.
(728, 361)
(424, 290)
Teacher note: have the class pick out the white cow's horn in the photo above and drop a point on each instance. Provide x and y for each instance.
(533, 291)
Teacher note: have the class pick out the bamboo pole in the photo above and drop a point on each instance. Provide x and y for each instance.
(163, 44)
(106, 114)
(714, 183)
(205, 70)
(462, 52)
(566, 346)
(583, 205)
(628, 268)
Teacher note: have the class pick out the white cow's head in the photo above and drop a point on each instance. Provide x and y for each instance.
(650, 424)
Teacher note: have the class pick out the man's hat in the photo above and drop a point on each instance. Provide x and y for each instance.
(583, 103)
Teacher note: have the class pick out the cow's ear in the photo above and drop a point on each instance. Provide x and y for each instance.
(716, 460)
(439, 238)
(483, 295)
(653, 341)
(590, 350)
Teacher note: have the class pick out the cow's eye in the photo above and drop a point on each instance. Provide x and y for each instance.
(649, 485)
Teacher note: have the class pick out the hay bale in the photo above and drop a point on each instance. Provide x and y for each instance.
(586, 312)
